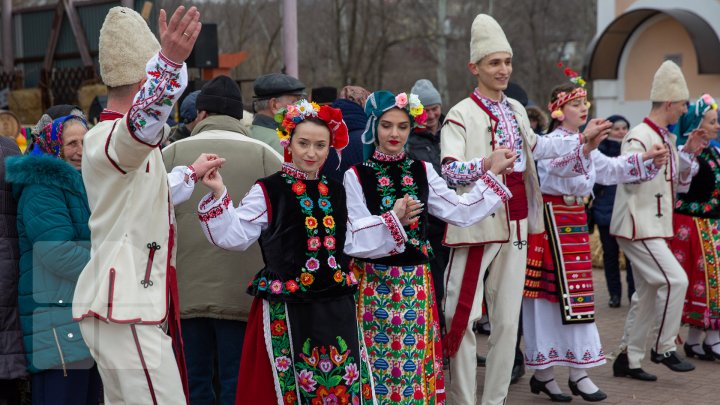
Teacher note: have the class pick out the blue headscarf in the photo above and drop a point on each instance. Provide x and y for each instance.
(48, 141)
(691, 120)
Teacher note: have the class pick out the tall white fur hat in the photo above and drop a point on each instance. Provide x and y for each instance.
(126, 46)
(486, 37)
(669, 84)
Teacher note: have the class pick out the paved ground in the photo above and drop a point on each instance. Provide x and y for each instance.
(698, 387)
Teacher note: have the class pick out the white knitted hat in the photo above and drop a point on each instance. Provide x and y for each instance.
(669, 84)
(126, 46)
(486, 37)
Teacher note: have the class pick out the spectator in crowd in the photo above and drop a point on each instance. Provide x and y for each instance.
(538, 119)
(188, 113)
(273, 92)
(602, 207)
(12, 355)
(325, 95)
(351, 102)
(213, 306)
(54, 241)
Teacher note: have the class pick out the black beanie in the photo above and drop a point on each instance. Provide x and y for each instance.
(221, 95)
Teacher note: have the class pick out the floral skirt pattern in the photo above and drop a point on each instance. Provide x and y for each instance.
(399, 318)
(316, 353)
(696, 246)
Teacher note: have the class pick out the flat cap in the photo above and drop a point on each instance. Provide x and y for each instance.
(277, 84)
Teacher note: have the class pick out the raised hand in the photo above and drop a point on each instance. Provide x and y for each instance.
(658, 153)
(697, 141)
(501, 161)
(213, 180)
(205, 162)
(178, 37)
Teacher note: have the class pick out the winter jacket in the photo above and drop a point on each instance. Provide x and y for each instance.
(54, 241)
(355, 119)
(12, 357)
(604, 196)
(424, 145)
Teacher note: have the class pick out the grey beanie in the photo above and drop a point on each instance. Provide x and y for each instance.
(427, 92)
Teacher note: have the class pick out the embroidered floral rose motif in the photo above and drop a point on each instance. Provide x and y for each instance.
(338, 276)
(299, 187)
(322, 188)
(306, 380)
(306, 203)
(384, 181)
(312, 264)
(278, 327)
(414, 225)
(351, 374)
(331, 396)
(407, 181)
(282, 363)
(324, 204)
(314, 243)
(262, 284)
(329, 241)
(351, 280)
(366, 391)
(332, 262)
(289, 398)
(291, 286)
(306, 279)
(276, 287)
(329, 222)
(387, 201)
(311, 222)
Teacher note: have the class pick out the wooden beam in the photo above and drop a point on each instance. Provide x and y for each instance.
(78, 32)
(54, 35)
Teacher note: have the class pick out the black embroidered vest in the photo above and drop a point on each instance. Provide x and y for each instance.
(383, 182)
(303, 244)
(703, 197)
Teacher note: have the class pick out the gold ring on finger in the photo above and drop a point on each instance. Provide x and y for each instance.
(186, 34)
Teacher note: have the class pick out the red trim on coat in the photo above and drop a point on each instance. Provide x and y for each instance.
(267, 201)
(144, 366)
(107, 150)
(108, 115)
(454, 122)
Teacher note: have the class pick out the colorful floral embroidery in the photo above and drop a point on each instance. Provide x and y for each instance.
(709, 155)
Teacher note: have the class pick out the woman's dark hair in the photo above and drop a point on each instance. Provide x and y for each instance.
(615, 118)
(314, 120)
(563, 88)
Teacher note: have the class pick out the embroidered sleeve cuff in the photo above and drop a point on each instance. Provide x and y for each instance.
(496, 186)
(458, 173)
(163, 60)
(648, 169)
(192, 178)
(396, 230)
(210, 208)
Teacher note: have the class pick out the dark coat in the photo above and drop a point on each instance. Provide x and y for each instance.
(355, 119)
(12, 357)
(602, 206)
(52, 223)
(424, 145)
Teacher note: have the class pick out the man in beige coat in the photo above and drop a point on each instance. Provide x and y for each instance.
(490, 257)
(128, 289)
(214, 307)
(642, 221)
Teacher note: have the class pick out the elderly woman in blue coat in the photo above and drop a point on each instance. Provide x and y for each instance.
(52, 222)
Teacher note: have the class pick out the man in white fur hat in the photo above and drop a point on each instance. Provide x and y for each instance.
(642, 220)
(127, 293)
(490, 257)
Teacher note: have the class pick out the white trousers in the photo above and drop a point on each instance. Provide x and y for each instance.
(656, 307)
(136, 362)
(502, 277)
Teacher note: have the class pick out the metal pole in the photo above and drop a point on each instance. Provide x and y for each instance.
(7, 38)
(442, 48)
(290, 37)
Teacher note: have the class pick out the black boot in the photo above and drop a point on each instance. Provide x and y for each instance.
(621, 368)
(690, 353)
(672, 361)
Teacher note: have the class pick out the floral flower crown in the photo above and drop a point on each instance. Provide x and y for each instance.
(563, 98)
(413, 106)
(289, 117)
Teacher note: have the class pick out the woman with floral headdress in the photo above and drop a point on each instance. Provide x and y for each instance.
(558, 306)
(54, 242)
(303, 344)
(697, 241)
(396, 304)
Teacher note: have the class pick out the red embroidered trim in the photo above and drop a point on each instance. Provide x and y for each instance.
(109, 115)
(461, 173)
(384, 157)
(495, 187)
(107, 150)
(448, 120)
(394, 228)
(217, 210)
(167, 61)
(193, 176)
(144, 366)
(294, 171)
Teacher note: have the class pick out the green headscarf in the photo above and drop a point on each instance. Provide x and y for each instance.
(378, 103)
(691, 120)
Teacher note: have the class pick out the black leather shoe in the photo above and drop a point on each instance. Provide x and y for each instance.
(690, 353)
(537, 386)
(672, 361)
(517, 372)
(596, 396)
(621, 368)
(709, 351)
(614, 301)
(481, 360)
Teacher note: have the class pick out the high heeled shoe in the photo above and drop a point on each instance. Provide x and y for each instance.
(594, 397)
(690, 353)
(709, 351)
(537, 386)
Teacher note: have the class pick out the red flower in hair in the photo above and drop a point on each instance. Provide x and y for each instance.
(334, 121)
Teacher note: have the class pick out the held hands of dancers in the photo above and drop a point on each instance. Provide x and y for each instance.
(213, 180)
(407, 209)
(500, 161)
(178, 37)
(697, 141)
(659, 155)
(205, 162)
(596, 131)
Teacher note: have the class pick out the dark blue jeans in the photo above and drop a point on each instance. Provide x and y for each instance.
(79, 387)
(611, 260)
(208, 342)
